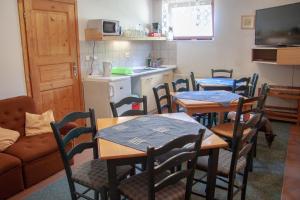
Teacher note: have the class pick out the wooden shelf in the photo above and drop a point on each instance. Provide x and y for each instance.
(284, 113)
(94, 35)
(277, 56)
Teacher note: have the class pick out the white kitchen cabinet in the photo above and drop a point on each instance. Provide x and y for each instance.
(150, 81)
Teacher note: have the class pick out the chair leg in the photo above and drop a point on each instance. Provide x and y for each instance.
(254, 146)
(230, 189)
(244, 186)
(96, 195)
(104, 195)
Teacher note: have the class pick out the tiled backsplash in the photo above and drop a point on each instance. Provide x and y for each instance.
(165, 50)
(125, 53)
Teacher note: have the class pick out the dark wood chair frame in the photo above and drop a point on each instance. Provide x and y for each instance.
(253, 84)
(241, 146)
(195, 85)
(180, 82)
(165, 97)
(263, 93)
(188, 155)
(241, 86)
(67, 156)
(224, 71)
(128, 101)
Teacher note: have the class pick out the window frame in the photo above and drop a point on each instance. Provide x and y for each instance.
(201, 37)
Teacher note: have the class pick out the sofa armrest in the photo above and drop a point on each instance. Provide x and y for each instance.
(69, 126)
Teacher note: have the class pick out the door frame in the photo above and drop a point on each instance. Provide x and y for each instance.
(26, 60)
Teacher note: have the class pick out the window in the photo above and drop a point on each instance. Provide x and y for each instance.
(189, 19)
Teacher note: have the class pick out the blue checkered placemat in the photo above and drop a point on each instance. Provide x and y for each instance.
(150, 131)
(222, 97)
(216, 81)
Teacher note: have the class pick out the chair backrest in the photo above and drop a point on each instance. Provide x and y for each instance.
(253, 84)
(245, 129)
(62, 142)
(241, 86)
(195, 85)
(162, 98)
(129, 101)
(178, 85)
(189, 146)
(221, 73)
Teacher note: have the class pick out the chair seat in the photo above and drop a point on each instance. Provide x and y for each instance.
(226, 130)
(93, 174)
(136, 188)
(223, 163)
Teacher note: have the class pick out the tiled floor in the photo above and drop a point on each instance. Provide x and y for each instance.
(290, 191)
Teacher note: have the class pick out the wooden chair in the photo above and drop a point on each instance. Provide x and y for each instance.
(253, 84)
(226, 130)
(236, 161)
(195, 85)
(163, 102)
(241, 86)
(158, 183)
(129, 101)
(224, 73)
(181, 85)
(93, 173)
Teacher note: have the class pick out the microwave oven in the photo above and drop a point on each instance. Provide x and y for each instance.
(105, 27)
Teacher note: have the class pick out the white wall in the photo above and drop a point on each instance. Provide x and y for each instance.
(231, 47)
(129, 12)
(12, 81)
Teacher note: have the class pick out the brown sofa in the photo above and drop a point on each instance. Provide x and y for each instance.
(30, 159)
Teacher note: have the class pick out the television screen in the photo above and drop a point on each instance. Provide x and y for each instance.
(278, 26)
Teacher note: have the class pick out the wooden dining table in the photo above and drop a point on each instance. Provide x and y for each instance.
(118, 154)
(194, 106)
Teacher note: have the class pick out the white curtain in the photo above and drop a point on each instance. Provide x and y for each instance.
(167, 5)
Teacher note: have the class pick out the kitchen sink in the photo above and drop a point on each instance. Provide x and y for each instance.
(146, 69)
(143, 70)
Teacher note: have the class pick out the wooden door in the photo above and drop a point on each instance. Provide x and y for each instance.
(52, 49)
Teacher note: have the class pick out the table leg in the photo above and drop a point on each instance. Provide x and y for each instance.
(212, 173)
(112, 180)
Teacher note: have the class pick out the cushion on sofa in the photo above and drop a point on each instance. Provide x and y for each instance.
(38, 124)
(34, 147)
(8, 162)
(7, 138)
(12, 112)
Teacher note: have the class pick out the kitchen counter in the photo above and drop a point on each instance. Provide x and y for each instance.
(141, 72)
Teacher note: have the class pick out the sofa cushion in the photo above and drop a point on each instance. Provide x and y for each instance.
(8, 162)
(7, 138)
(38, 124)
(12, 112)
(34, 147)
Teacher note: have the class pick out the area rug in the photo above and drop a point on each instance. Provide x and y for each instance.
(264, 183)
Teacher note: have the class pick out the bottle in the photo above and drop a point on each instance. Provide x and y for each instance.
(170, 36)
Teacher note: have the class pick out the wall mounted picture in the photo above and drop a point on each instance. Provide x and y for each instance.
(247, 22)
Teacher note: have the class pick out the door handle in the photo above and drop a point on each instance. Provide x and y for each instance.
(75, 71)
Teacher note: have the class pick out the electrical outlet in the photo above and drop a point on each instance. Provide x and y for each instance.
(95, 57)
(87, 58)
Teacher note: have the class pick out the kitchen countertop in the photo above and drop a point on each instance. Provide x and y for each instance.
(162, 68)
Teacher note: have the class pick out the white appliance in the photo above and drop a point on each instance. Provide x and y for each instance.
(100, 91)
(104, 26)
(107, 69)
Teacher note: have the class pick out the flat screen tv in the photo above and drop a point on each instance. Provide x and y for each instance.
(278, 26)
